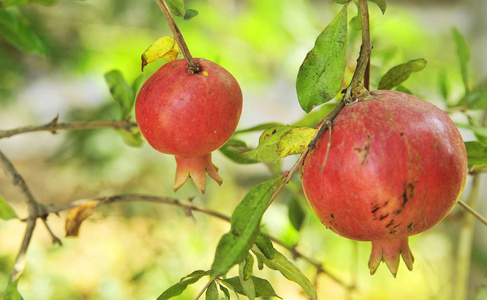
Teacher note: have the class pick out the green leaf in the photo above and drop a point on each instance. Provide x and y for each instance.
(444, 85)
(177, 7)
(6, 212)
(313, 118)
(245, 274)
(296, 213)
(137, 84)
(403, 89)
(190, 13)
(12, 292)
(356, 22)
(15, 30)
(179, 287)
(247, 267)
(234, 245)
(133, 138)
(479, 131)
(288, 270)
(212, 291)
(232, 150)
(259, 127)
(340, 1)
(295, 141)
(477, 100)
(225, 292)
(262, 287)
(463, 52)
(400, 73)
(321, 74)
(382, 4)
(476, 155)
(264, 243)
(267, 149)
(121, 91)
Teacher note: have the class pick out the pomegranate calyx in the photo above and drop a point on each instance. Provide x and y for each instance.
(388, 251)
(195, 168)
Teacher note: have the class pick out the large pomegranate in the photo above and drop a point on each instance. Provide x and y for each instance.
(395, 165)
(189, 116)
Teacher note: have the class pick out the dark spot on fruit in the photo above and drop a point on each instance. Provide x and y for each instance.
(392, 231)
(391, 222)
(376, 208)
(398, 211)
(382, 217)
(266, 136)
(364, 151)
(410, 226)
(385, 204)
(407, 194)
(332, 216)
(402, 133)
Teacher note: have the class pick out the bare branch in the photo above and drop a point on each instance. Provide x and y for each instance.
(34, 210)
(473, 212)
(187, 206)
(54, 126)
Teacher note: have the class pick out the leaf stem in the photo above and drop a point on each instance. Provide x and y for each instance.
(193, 66)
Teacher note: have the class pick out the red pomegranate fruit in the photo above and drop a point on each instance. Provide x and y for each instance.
(189, 116)
(393, 166)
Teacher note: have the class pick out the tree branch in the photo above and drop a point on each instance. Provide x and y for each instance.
(54, 126)
(193, 66)
(35, 210)
(186, 205)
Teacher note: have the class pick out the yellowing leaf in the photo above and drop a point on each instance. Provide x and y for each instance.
(295, 141)
(77, 215)
(165, 47)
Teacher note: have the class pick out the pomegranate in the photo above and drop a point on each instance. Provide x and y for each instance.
(189, 116)
(394, 166)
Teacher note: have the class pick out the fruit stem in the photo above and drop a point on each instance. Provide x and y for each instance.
(358, 88)
(193, 66)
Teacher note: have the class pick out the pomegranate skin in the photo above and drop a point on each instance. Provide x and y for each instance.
(189, 116)
(395, 167)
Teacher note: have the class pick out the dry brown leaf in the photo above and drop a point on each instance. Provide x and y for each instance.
(77, 215)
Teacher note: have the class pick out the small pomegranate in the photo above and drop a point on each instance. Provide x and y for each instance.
(395, 165)
(189, 116)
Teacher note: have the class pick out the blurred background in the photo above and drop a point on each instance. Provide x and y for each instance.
(137, 250)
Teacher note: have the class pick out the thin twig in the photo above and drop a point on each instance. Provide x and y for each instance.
(473, 212)
(193, 66)
(187, 205)
(54, 126)
(34, 210)
(203, 290)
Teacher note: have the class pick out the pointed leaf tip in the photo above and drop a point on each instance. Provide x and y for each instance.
(400, 73)
(321, 74)
(6, 211)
